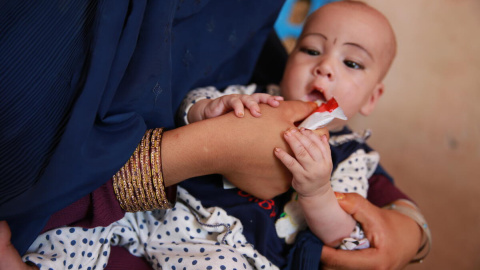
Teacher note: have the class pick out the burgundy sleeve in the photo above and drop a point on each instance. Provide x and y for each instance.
(99, 208)
(382, 191)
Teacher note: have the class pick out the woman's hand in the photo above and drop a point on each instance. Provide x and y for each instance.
(9, 257)
(241, 149)
(394, 238)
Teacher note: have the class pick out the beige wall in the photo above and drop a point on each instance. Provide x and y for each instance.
(427, 125)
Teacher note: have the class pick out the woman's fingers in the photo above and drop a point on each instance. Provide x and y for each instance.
(296, 111)
(394, 238)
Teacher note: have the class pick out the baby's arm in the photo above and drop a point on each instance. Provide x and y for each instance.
(208, 102)
(311, 166)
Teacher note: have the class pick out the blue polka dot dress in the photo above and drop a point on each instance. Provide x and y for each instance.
(188, 236)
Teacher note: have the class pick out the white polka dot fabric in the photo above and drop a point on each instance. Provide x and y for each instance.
(188, 236)
(352, 174)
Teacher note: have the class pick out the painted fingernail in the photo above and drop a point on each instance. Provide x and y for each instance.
(339, 196)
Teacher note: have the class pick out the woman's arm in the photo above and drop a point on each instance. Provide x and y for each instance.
(241, 149)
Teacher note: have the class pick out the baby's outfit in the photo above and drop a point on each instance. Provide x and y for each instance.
(188, 236)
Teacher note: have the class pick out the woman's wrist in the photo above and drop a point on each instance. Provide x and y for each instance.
(190, 151)
(410, 210)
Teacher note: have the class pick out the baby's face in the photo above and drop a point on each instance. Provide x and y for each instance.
(339, 54)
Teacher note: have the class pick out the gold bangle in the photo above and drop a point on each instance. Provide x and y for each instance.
(135, 179)
(118, 191)
(139, 184)
(124, 189)
(151, 171)
(155, 160)
(144, 160)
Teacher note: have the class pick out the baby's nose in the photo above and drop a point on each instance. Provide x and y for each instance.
(324, 69)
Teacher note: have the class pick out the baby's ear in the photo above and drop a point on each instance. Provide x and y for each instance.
(368, 107)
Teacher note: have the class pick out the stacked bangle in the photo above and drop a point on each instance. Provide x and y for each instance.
(139, 185)
(420, 220)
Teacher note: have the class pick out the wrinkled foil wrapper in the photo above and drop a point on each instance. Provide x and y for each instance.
(323, 115)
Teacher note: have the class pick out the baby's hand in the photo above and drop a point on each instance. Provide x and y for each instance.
(312, 165)
(209, 108)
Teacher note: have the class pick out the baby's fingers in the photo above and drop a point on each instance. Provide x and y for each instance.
(311, 152)
(251, 104)
(290, 162)
(237, 105)
(299, 144)
(267, 99)
(313, 142)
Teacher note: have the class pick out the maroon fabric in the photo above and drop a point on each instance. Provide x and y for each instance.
(99, 208)
(121, 259)
(381, 191)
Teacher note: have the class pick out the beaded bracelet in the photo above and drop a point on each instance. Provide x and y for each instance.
(420, 220)
(139, 184)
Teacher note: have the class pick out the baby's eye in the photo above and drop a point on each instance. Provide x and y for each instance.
(310, 51)
(353, 65)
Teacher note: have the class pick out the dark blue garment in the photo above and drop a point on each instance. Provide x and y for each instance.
(81, 81)
(257, 216)
(305, 253)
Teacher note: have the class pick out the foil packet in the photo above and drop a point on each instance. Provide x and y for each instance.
(323, 115)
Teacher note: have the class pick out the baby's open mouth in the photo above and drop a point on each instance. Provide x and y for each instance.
(316, 96)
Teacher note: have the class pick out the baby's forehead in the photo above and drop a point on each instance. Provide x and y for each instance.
(346, 10)
(360, 22)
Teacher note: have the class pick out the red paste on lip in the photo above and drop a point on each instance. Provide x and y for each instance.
(330, 106)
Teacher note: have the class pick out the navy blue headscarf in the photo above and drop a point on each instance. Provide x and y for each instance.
(81, 81)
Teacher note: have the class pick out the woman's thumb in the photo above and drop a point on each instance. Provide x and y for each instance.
(299, 110)
(357, 206)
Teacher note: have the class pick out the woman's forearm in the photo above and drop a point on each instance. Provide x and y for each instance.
(241, 149)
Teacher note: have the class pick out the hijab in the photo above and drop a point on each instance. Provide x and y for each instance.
(81, 81)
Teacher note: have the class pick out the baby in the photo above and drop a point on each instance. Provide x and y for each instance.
(344, 52)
